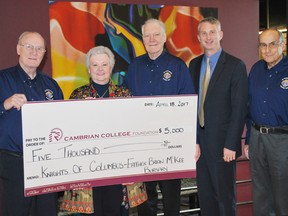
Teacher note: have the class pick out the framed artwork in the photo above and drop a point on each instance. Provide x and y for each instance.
(76, 27)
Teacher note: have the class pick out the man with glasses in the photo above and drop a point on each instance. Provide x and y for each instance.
(267, 128)
(19, 84)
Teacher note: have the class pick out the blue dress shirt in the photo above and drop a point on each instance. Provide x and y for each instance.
(213, 61)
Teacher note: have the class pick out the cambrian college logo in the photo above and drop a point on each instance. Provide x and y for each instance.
(55, 135)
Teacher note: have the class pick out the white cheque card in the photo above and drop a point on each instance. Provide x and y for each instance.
(82, 143)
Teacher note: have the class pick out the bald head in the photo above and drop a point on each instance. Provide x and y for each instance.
(271, 46)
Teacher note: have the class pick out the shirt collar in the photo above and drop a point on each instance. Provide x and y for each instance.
(214, 58)
(25, 77)
(157, 59)
(278, 67)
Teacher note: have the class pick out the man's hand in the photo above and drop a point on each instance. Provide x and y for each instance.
(197, 152)
(229, 155)
(15, 101)
(246, 151)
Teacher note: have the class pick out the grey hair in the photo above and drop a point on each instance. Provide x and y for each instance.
(27, 33)
(280, 34)
(152, 20)
(100, 50)
(211, 20)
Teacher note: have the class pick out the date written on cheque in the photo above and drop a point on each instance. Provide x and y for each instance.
(168, 104)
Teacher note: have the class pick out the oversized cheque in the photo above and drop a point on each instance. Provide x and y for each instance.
(75, 144)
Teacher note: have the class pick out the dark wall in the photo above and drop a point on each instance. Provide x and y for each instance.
(240, 23)
(272, 13)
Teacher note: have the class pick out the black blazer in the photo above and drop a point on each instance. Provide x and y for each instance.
(225, 106)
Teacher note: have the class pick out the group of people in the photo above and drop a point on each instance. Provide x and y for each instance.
(227, 99)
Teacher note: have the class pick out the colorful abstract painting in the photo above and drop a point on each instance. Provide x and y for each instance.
(76, 27)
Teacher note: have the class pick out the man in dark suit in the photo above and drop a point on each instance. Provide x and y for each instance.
(221, 120)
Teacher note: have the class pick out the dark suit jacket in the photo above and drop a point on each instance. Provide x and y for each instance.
(225, 106)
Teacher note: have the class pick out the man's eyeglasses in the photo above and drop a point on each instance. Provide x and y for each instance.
(271, 45)
(30, 47)
(155, 35)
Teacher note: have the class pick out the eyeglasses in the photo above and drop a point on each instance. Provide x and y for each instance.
(155, 35)
(271, 45)
(30, 47)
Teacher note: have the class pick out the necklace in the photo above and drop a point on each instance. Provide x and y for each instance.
(102, 94)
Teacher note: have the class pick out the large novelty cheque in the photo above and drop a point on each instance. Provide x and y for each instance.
(84, 143)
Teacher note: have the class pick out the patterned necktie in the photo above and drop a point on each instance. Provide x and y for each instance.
(205, 84)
